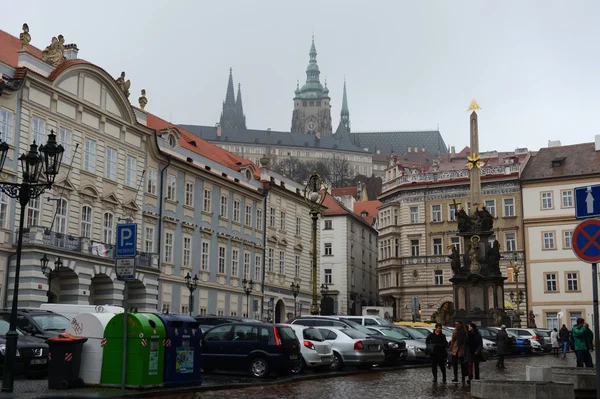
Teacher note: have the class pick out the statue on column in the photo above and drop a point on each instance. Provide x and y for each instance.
(454, 259)
(494, 258)
(474, 265)
(532, 320)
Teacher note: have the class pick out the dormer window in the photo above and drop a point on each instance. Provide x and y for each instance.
(172, 141)
(558, 162)
(364, 214)
(248, 174)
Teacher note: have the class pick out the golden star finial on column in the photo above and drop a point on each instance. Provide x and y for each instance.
(474, 106)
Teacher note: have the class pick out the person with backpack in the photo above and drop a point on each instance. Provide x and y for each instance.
(580, 336)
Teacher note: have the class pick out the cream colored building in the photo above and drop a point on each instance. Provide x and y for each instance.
(558, 281)
(417, 223)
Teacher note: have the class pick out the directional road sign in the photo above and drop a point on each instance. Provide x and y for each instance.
(125, 269)
(587, 201)
(126, 240)
(586, 241)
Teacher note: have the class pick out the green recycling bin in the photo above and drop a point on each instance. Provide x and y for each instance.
(145, 352)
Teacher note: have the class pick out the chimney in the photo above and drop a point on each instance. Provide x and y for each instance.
(422, 149)
(553, 143)
(416, 149)
(597, 137)
(218, 126)
(452, 151)
(71, 51)
(409, 149)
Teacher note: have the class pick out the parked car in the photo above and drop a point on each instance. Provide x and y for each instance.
(328, 321)
(518, 345)
(208, 322)
(32, 353)
(488, 344)
(415, 348)
(40, 323)
(547, 346)
(352, 348)
(256, 347)
(369, 320)
(315, 351)
(533, 335)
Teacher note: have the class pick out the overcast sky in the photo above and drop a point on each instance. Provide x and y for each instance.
(533, 66)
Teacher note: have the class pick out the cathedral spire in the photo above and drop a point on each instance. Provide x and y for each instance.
(344, 113)
(230, 96)
(238, 100)
(312, 71)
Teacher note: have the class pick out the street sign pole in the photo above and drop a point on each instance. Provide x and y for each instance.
(596, 326)
(125, 320)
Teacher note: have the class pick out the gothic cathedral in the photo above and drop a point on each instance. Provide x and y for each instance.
(312, 109)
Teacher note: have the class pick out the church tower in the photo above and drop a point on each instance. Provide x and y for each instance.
(232, 116)
(312, 109)
(344, 126)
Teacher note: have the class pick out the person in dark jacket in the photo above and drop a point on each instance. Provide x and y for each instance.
(473, 348)
(581, 335)
(457, 350)
(563, 336)
(438, 344)
(503, 346)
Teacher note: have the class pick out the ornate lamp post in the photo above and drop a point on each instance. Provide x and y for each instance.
(191, 284)
(47, 271)
(314, 194)
(248, 286)
(295, 291)
(520, 296)
(37, 162)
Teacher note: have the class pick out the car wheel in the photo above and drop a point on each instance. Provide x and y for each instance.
(336, 362)
(299, 367)
(259, 367)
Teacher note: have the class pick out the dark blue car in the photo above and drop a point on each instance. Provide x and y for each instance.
(518, 346)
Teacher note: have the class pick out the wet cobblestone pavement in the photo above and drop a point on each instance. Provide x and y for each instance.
(400, 383)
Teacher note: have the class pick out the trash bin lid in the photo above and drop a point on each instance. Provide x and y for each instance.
(90, 325)
(67, 338)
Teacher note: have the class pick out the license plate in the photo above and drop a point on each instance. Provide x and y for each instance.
(293, 357)
(326, 358)
(374, 347)
(39, 361)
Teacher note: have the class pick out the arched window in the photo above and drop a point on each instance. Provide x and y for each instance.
(109, 225)
(86, 221)
(61, 215)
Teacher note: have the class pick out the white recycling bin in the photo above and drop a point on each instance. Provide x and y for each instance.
(90, 326)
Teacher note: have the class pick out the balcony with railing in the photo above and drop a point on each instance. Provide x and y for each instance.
(439, 259)
(39, 236)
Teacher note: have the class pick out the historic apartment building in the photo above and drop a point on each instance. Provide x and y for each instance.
(417, 224)
(558, 281)
(98, 185)
(288, 247)
(348, 258)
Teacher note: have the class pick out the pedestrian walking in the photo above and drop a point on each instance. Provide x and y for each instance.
(563, 335)
(581, 334)
(554, 341)
(473, 348)
(502, 346)
(436, 347)
(457, 350)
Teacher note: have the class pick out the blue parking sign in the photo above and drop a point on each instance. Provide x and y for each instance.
(126, 240)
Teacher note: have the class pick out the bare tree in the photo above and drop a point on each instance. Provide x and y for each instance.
(341, 173)
(293, 169)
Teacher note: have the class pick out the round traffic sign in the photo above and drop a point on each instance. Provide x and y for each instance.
(586, 241)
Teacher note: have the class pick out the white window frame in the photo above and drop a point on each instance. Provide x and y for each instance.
(328, 276)
(451, 213)
(572, 277)
(490, 205)
(110, 170)
(549, 240)
(7, 124)
(547, 200)
(171, 187)
(169, 243)
(89, 156)
(65, 138)
(248, 216)
(38, 130)
(271, 260)
(282, 221)
(328, 249)
(566, 197)
(236, 210)
(281, 262)
(221, 263)
(151, 181)
(235, 262)
(187, 251)
(86, 218)
(223, 207)
(149, 239)
(510, 242)
(552, 278)
(108, 228)
(259, 219)
(258, 268)
(205, 256)
(415, 250)
(207, 200)
(189, 193)
(436, 213)
(62, 213)
(297, 267)
(246, 265)
(4, 210)
(272, 217)
(131, 171)
(456, 242)
(298, 226)
(438, 246)
(414, 214)
(438, 277)
(509, 208)
(568, 238)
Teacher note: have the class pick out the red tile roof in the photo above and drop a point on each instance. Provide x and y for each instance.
(341, 191)
(570, 161)
(371, 207)
(10, 47)
(204, 148)
(336, 208)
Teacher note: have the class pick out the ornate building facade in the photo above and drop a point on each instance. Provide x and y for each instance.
(417, 225)
(312, 108)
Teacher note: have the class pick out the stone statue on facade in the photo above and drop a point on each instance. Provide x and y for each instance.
(463, 221)
(531, 320)
(474, 266)
(494, 258)
(54, 54)
(497, 315)
(25, 37)
(143, 100)
(487, 220)
(454, 259)
(123, 84)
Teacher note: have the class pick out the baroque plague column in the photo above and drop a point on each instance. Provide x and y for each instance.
(477, 281)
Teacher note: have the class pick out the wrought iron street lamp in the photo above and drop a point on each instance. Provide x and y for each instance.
(295, 291)
(45, 160)
(520, 296)
(324, 290)
(191, 284)
(47, 271)
(248, 286)
(314, 194)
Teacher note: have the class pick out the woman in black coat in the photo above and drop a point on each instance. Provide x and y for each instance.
(436, 347)
(503, 346)
(473, 348)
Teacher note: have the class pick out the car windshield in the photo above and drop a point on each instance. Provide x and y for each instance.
(543, 333)
(312, 334)
(352, 333)
(4, 326)
(415, 333)
(286, 334)
(51, 322)
(384, 322)
(358, 327)
(394, 333)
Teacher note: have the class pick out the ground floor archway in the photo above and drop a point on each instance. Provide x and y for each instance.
(280, 311)
(327, 308)
(102, 290)
(64, 286)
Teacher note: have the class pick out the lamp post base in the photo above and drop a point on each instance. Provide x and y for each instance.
(517, 320)
(314, 309)
(11, 351)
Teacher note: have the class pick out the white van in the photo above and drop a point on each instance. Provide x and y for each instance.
(69, 311)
